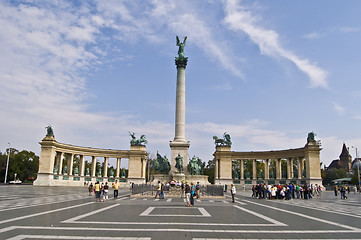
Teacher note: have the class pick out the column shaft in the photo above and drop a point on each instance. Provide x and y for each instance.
(216, 176)
(70, 164)
(242, 168)
(180, 106)
(290, 168)
(60, 167)
(118, 168)
(254, 168)
(278, 169)
(82, 166)
(94, 161)
(266, 169)
(105, 169)
(300, 168)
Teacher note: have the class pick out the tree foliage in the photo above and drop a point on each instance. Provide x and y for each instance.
(209, 171)
(333, 174)
(25, 164)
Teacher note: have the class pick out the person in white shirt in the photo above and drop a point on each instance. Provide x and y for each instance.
(233, 191)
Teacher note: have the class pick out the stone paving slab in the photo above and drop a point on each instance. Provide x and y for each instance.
(70, 213)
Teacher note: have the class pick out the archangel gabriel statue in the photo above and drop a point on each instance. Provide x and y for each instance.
(181, 46)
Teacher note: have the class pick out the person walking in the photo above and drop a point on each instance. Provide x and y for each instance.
(198, 190)
(335, 190)
(187, 191)
(116, 187)
(193, 189)
(162, 191)
(159, 189)
(102, 192)
(343, 192)
(233, 191)
(106, 190)
(90, 189)
(182, 190)
(97, 191)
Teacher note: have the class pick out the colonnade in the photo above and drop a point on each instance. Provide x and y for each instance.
(51, 166)
(82, 171)
(306, 160)
(278, 174)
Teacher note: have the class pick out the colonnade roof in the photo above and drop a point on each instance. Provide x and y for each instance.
(289, 153)
(89, 151)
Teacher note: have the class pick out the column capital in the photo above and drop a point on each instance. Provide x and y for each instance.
(181, 62)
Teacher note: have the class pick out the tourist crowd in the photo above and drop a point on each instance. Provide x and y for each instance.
(286, 191)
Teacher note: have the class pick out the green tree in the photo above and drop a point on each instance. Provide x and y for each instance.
(333, 174)
(209, 170)
(25, 164)
(354, 177)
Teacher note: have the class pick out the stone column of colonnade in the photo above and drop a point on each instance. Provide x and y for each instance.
(290, 168)
(82, 166)
(242, 169)
(254, 169)
(60, 166)
(278, 169)
(300, 167)
(93, 166)
(105, 168)
(266, 169)
(70, 163)
(216, 171)
(117, 173)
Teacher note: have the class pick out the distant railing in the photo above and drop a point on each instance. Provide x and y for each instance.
(147, 189)
(143, 188)
(212, 190)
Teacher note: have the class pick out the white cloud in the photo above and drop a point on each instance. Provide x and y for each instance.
(349, 29)
(313, 35)
(238, 18)
(183, 18)
(340, 110)
(329, 31)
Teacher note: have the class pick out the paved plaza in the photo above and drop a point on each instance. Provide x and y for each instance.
(29, 212)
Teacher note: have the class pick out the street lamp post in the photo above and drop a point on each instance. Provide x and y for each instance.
(358, 170)
(7, 165)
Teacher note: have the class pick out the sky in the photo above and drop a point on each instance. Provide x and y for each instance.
(266, 72)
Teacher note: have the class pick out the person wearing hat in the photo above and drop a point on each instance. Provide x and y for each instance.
(233, 191)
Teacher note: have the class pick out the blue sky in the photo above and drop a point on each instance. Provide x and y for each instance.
(266, 72)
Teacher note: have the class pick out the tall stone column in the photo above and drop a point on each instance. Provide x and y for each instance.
(290, 168)
(60, 167)
(94, 165)
(180, 145)
(266, 169)
(216, 173)
(278, 169)
(300, 167)
(70, 164)
(105, 169)
(242, 169)
(82, 165)
(118, 168)
(254, 169)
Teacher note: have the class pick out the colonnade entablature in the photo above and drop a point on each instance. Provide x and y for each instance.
(298, 166)
(54, 172)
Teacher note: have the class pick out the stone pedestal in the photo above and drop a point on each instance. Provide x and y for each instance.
(178, 177)
(180, 148)
(137, 164)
